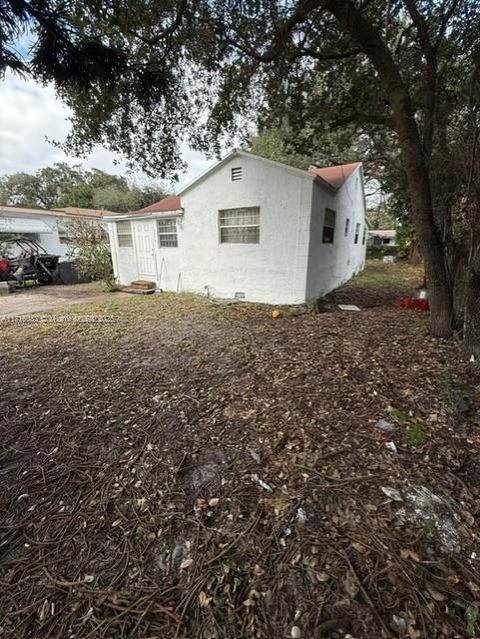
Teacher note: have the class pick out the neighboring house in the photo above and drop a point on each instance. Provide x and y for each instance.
(47, 227)
(377, 237)
(249, 228)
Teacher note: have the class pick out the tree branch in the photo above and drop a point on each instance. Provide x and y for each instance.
(362, 119)
(431, 85)
(341, 55)
(444, 24)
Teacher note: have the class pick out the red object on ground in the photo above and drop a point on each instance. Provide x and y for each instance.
(3, 265)
(413, 303)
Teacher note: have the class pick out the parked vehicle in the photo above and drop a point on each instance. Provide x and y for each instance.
(22, 260)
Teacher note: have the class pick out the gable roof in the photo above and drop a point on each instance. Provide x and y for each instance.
(247, 154)
(331, 178)
(336, 176)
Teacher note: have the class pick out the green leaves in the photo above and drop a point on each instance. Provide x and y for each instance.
(63, 185)
(91, 251)
(471, 617)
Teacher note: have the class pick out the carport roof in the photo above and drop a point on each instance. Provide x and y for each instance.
(69, 211)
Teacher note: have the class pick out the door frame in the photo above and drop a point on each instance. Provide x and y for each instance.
(154, 275)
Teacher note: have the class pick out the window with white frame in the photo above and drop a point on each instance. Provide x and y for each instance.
(329, 226)
(357, 232)
(364, 237)
(124, 234)
(239, 226)
(347, 226)
(167, 232)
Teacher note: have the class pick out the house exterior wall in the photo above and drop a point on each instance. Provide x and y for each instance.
(330, 265)
(289, 265)
(273, 271)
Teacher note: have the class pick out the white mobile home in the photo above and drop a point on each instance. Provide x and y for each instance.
(249, 228)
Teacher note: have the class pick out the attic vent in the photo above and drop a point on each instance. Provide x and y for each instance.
(236, 173)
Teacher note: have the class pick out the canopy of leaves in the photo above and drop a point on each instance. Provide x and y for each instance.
(63, 185)
(142, 77)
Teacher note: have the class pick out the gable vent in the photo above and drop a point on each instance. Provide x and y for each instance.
(236, 173)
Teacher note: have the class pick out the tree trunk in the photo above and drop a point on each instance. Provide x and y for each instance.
(427, 233)
(471, 326)
(356, 25)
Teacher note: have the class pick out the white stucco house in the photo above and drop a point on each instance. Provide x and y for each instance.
(249, 228)
(47, 227)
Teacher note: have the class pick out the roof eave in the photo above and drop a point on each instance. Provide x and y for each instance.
(143, 216)
(321, 182)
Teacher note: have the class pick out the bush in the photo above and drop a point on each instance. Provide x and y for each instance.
(91, 252)
(375, 251)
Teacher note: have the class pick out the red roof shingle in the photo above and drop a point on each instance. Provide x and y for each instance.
(336, 176)
(169, 203)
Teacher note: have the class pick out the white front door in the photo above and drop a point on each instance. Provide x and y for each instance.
(145, 242)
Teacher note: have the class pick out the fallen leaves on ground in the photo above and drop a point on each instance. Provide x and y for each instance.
(216, 473)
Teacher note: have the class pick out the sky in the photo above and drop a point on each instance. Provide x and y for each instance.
(30, 113)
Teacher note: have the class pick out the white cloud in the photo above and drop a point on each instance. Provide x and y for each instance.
(31, 113)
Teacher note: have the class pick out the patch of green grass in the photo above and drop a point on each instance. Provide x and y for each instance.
(380, 275)
(471, 617)
(415, 435)
(399, 416)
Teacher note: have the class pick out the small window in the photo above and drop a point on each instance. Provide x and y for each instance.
(167, 232)
(236, 173)
(329, 226)
(347, 226)
(124, 234)
(239, 226)
(364, 236)
(357, 232)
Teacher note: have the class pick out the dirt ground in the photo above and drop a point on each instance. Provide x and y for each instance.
(170, 468)
(46, 298)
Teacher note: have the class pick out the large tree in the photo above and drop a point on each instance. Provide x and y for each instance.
(63, 185)
(206, 69)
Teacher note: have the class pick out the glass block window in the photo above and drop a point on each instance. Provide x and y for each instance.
(329, 226)
(124, 234)
(239, 226)
(357, 232)
(167, 232)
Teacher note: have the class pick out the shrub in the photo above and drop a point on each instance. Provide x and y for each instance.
(378, 251)
(91, 252)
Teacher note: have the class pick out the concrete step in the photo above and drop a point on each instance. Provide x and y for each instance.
(137, 290)
(144, 284)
